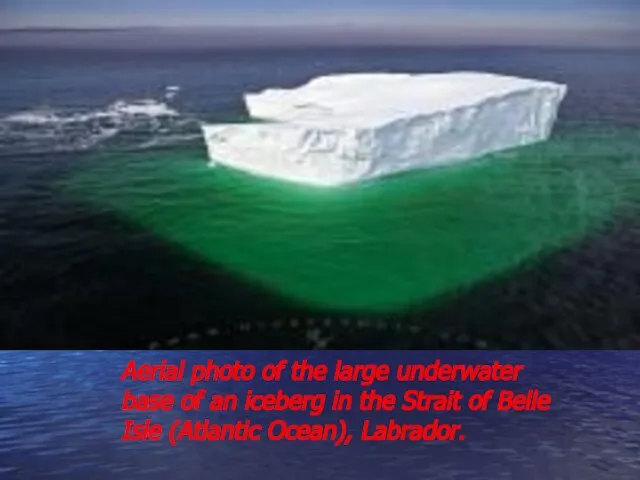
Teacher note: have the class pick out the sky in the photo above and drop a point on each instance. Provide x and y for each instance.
(551, 21)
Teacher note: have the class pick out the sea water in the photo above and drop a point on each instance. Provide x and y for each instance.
(117, 232)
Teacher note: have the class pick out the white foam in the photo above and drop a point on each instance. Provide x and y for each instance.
(44, 129)
(116, 111)
(346, 128)
(32, 117)
(143, 108)
(171, 91)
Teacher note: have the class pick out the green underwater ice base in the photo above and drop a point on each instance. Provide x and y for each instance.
(381, 246)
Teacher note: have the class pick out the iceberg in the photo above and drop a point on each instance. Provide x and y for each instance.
(342, 129)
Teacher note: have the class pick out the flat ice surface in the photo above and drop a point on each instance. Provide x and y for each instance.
(342, 129)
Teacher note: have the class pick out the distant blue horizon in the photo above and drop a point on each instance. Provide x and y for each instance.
(153, 9)
(548, 22)
(239, 6)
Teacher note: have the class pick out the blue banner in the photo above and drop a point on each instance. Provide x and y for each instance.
(369, 415)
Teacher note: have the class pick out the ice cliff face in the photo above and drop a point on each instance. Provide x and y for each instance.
(343, 129)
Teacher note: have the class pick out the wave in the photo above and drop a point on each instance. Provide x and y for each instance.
(168, 140)
(139, 123)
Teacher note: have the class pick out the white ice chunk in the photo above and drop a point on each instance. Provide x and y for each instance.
(342, 129)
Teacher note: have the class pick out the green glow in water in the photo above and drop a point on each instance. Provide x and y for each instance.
(381, 246)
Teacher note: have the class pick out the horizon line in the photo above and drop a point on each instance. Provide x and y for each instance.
(586, 29)
(450, 17)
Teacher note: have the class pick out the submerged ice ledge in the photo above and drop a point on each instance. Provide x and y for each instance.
(342, 129)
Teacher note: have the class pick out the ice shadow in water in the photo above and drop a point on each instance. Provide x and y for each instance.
(120, 287)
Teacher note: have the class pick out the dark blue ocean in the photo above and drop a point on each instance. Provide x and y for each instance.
(73, 275)
(60, 417)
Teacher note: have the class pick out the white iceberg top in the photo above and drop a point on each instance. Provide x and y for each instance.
(366, 100)
(342, 129)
